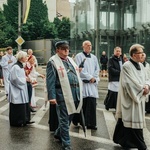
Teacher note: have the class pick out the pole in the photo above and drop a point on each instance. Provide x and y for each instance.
(76, 28)
(19, 22)
(97, 28)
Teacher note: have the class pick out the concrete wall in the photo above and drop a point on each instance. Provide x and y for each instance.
(41, 49)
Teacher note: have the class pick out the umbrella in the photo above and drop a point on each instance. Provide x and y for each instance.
(82, 122)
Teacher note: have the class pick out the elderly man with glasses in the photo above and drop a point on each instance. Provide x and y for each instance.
(133, 90)
(64, 88)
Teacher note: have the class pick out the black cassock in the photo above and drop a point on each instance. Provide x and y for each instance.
(89, 111)
(128, 137)
(19, 114)
(147, 106)
(111, 99)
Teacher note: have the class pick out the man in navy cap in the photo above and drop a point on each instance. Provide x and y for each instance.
(64, 89)
(62, 44)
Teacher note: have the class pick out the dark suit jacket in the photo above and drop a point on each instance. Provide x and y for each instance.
(114, 68)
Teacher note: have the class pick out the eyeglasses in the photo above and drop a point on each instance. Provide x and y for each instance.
(139, 53)
(64, 48)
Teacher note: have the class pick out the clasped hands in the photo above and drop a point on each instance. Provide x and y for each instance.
(10, 61)
(146, 89)
(92, 80)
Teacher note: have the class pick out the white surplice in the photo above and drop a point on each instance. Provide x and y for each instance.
(33, 77)
(91, 70)
(18, 93)
(131, 101)
(6, 67)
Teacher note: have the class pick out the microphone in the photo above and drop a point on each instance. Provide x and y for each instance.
(82, 63)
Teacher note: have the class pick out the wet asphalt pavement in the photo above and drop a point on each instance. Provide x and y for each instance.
(38, 136)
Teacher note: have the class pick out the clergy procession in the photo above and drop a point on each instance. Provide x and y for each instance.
(75, 105)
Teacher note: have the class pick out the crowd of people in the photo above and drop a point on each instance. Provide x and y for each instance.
(72, 90)
(18, 76)
(128, 88)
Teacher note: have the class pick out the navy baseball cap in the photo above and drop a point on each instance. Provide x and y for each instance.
(62, 44)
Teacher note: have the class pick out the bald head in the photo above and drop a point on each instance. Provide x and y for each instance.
(87, 46)
(103, 53)
(30, 52)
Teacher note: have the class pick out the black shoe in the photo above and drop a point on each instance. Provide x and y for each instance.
(30, 122)
(57, 137)
(148, 111)
(92, 127)
(17, 125)
(32, 110)
(67, 147)
(106, 108)
(75, 123)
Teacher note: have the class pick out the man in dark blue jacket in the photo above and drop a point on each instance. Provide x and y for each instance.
(64, 88)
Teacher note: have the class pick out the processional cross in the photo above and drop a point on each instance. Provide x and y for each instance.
(61, 70)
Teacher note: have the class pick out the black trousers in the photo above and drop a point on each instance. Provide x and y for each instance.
(29, 87)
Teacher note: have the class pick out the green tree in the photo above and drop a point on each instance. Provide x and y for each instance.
(62, 27)
(38, 16)
(7, 32)
(38, 25)
(11, 13)
(49, 30)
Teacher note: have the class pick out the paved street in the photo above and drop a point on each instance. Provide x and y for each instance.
(38, 136)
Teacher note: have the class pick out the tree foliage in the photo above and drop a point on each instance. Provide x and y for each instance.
(37, 27)
(62, 27)
(38, 16)
(7, 32)
(11, 13)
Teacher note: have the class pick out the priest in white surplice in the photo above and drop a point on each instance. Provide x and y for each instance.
(7, 62)
(90, 78)
(133, 92)
(64, 88)
(19, 110)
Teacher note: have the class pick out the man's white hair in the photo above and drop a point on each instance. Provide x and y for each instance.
(85, 42)
(20, 55)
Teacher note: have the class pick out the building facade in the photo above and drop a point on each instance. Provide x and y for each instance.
(2, 2)
(58, 8)
(110, 23)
